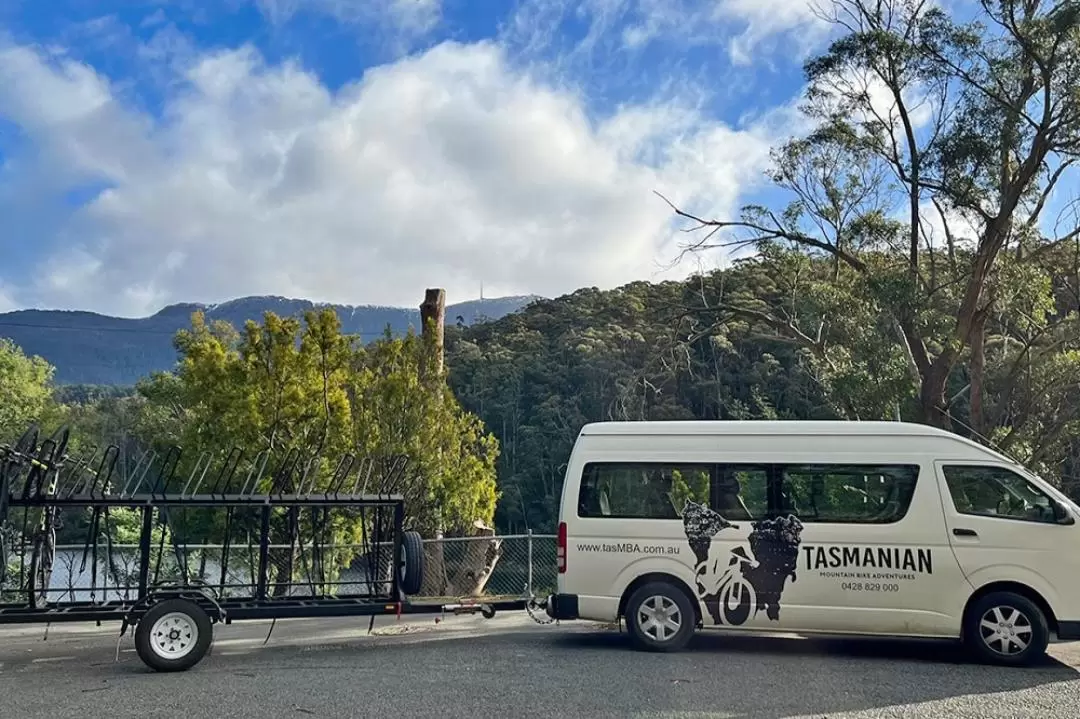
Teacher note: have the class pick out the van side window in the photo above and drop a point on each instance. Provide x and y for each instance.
(996, 492)
(741, 492)
(641, 490)
(848, 494)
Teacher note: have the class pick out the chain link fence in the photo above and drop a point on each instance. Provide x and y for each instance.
(454, 568)
(496, 566)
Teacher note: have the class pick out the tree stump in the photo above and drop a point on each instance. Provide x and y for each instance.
(481, 555)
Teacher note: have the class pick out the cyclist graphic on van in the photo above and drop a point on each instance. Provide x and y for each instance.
(743, 582)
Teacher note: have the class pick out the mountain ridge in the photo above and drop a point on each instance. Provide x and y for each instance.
(93, 348)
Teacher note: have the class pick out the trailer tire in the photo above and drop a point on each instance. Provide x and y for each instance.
(173, 635)
(412, 563)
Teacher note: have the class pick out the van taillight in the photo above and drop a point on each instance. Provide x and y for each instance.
(560, 548)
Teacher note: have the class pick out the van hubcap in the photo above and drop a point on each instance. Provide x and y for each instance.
(1006, 630)
(659, 617)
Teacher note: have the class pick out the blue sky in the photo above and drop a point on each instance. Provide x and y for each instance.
(358, 151)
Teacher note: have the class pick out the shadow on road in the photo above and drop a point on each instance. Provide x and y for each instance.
(557, 671)
(824, 676)
(913, 650)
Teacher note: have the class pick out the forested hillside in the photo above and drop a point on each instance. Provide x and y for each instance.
(276, 387)
(92, 349)
(711, 348)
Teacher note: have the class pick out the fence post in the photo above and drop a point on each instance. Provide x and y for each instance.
(529, 581)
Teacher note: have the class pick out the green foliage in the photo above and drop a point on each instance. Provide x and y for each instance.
(637, 352)
(25, 390)
(284, 384)
(913, 261)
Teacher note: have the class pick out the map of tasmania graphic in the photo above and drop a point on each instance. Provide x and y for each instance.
(733, 588)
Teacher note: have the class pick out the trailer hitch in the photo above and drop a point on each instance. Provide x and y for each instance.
(537, 610)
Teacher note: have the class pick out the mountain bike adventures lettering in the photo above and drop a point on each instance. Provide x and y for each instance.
(919, 561)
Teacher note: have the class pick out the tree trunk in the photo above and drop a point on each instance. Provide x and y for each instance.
(481, 554)
(978, 373)
(933, 408)
(433, 326)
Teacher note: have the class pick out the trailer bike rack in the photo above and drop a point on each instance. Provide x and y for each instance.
(307, 539)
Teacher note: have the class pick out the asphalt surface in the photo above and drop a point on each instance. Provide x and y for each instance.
(511, 667)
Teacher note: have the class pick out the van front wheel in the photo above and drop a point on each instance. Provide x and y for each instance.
(660, 617)
(1006, 628)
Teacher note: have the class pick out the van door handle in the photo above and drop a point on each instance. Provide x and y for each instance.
(961, 532)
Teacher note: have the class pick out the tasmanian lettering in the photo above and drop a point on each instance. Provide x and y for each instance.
(902, 558)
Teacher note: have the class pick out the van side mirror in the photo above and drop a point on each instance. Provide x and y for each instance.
(1061, 514)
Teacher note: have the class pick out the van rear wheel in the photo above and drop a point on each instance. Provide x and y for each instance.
(1006, 628)
(660, 617)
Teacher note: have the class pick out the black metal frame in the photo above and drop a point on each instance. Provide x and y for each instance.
(260, 604)
(42, 479)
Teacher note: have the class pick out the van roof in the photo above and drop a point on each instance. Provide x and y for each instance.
(759, 427)
(705, 428)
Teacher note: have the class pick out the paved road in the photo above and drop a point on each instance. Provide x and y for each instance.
(509, 667)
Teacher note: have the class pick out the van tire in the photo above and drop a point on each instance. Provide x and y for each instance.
(1006, 608)
(663, 598)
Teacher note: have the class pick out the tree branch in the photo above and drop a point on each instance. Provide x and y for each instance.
(765, 233)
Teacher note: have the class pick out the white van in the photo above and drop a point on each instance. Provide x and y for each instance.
(867, 528)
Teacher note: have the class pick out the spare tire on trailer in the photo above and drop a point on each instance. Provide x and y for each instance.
(411, 572)
(173, 635)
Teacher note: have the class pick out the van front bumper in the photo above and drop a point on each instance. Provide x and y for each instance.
(562, 606)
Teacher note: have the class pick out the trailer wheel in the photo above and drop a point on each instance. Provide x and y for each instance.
(173, 635)
(412, 563)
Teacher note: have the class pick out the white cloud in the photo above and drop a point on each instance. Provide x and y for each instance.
(756, 32)
(866, 98)
(445, 169)
(964, 227)
(7, 302)
(411, 17)
(416, 15)
(768, 23)
(70, 112)
(797, 28)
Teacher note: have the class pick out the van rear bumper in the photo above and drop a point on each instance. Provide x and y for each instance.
(562, 606)
(1068, 631)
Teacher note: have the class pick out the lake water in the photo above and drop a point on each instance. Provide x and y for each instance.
(73, 578)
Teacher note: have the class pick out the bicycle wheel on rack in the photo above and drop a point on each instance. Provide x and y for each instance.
(3, 553)
(27, 442)
(41, 563)
(59, 440)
